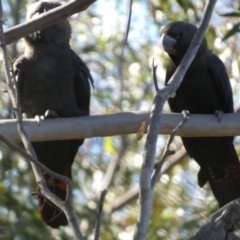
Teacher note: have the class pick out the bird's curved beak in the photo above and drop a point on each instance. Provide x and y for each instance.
(168, 44)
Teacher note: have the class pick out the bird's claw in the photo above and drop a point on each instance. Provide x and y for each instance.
(186, 114)
(219, 115)
(39, 118)
(48, 114)
(51, 114)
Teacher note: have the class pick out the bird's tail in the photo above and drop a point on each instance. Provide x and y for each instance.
(225, 187)
(50, 213)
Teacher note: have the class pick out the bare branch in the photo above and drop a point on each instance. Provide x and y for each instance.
(114, 163)
(166, 153)
(155, 75)
(161, 97)
(15, 147)
(133, 193)
(222, 224)
(66, 205)
(46, 19)
(99, 215)
(124, 42)
(198, 125)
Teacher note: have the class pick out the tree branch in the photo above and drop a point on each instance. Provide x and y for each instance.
(46, 19)
(167, 152)
(15, 147)
(146, 191)
(99, 215)
(114, 163)
(66, 205)
(222, 224)
(198, 125)
(133, 193)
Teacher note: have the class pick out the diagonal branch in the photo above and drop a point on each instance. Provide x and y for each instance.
(46, 19)
(15, 147)
(113, 165)
(123, 44)
(167, 152)
(146, 192)
(222, 224)
(133, 193)
(66, 205)
(99, 215)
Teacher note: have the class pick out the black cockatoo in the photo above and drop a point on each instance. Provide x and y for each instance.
(52, 81)
(205, 89)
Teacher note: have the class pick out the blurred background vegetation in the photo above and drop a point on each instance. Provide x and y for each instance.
(124, 83)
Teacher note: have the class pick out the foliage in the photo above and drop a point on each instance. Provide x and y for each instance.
(180, 207)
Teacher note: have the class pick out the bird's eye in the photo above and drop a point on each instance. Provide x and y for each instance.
(180, 34)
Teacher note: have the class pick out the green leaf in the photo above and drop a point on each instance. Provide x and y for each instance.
(231, 14)
(235, 29)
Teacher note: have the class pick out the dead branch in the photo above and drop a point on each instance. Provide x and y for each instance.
(46, 19)
(222, 224)
(198, 125)
(17, 148)
(167, 152)
(146, 191)
(66, 205)
(99, 215)
(114, 163)
(133, 193)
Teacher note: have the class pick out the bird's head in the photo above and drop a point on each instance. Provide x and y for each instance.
(59, 32)
(176, 38)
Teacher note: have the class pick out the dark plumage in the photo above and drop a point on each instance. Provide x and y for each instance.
(204, 90)
(51, 76)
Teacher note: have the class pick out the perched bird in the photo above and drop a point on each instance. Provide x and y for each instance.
(205, 89)
(52, 82)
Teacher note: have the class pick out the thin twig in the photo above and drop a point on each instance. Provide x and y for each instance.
(16, 147)
(114, 164)
(155, 75)
(99, 215)
(167, 152)
(133, 193)
(124, 42)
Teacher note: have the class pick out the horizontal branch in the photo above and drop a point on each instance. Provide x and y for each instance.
(120, 124)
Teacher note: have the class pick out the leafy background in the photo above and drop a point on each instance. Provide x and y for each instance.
(124, 83)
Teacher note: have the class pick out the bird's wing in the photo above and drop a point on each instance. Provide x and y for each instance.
(219, 75)
(17, 63)
(18, 72)
(82, 82)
